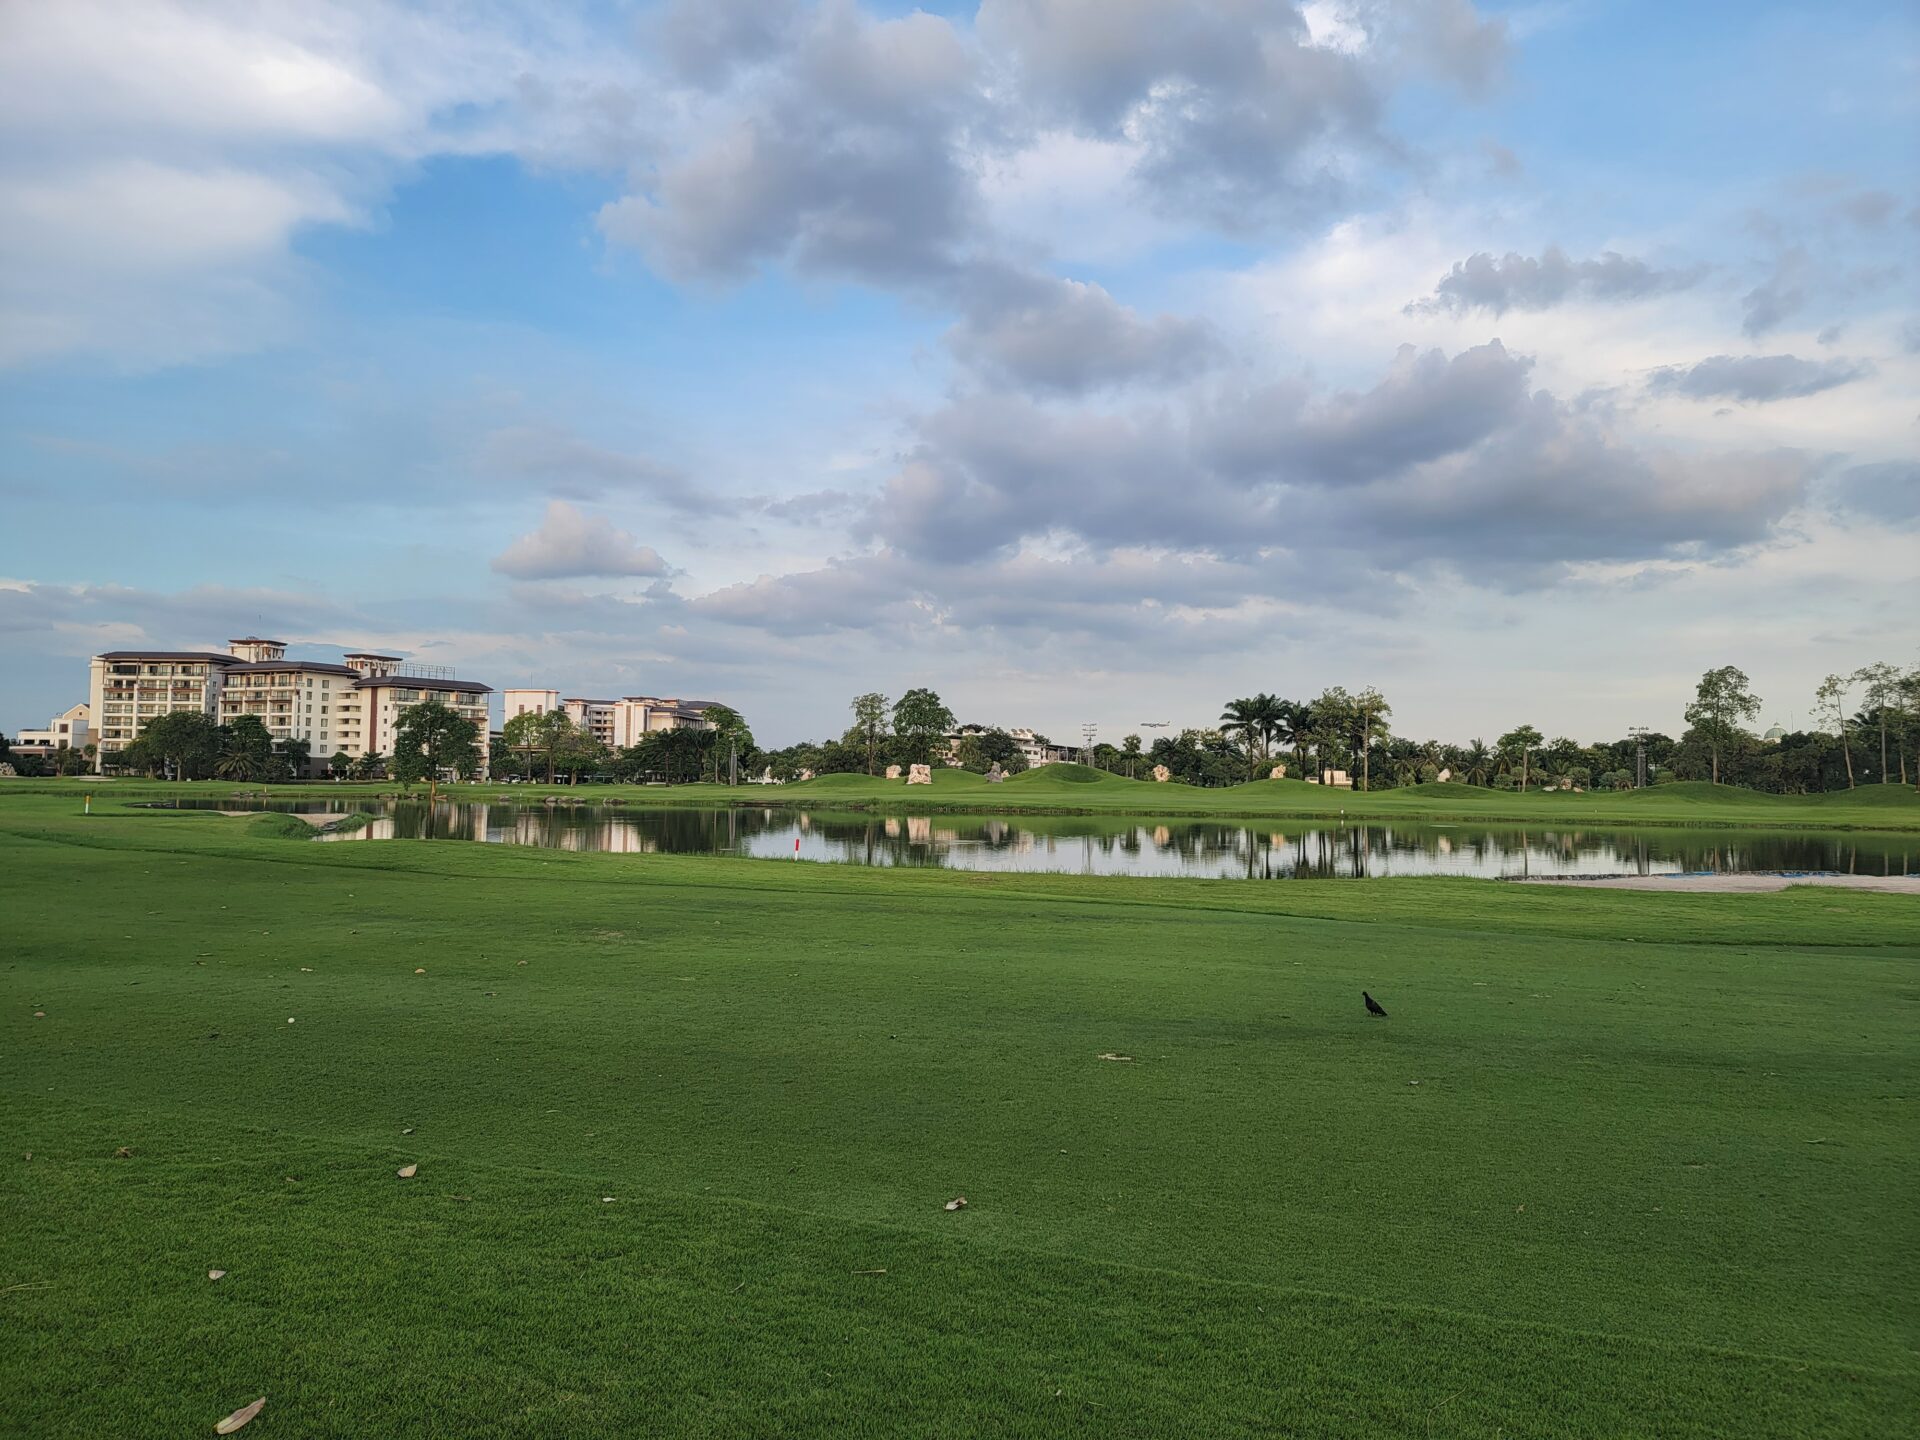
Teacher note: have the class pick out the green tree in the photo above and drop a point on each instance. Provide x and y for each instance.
(1130, 751)
(186, 740)
(1830, 707)
(1476, 766)
(339, 764)
(246, 750)
(1880, 698)
(1330, 727)
(1241, 722)
(921, 720)
(430, 739)
(1371, 711)
(1721, 701)
(869, 723)
(295, 758)
(1521, 740)
(548, 734)
(370, 766)
(731, 735)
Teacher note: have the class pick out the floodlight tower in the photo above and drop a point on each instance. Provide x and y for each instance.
(1088, 731)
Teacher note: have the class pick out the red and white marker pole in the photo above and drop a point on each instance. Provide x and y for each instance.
(796, 847)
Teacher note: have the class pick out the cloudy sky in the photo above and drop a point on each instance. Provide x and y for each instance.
(1088, 360)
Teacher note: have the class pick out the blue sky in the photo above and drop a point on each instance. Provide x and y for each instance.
(1080, 360)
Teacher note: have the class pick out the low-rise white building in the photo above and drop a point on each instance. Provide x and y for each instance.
(69, 730)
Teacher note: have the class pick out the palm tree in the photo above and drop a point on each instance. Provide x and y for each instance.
(1242, 719)
(235, 763)
(1302, 722)
(1477, 764)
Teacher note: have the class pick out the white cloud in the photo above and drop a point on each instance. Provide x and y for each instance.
(570, 544)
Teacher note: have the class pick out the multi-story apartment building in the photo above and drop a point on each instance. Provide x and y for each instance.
(128, 688)
(614, 723)
(305, 700)
(387, 697)
(351, 707)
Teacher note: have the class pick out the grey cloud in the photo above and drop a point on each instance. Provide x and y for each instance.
(1523, 282)
(1426, 407)
(706, 41)
(569, 544)
(1447, 37)
(1781, 296)
(1886, 491)
(1910, 336)
(1237, 114)
(563, 464)
(1447, 463)
(1069, 337)
(1869, 209)
(842, 160)
(813, 507)
(1756, 378)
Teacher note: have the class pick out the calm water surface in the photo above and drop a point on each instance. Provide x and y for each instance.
(1103, 845)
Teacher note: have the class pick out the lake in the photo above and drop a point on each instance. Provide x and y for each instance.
(1105, 845)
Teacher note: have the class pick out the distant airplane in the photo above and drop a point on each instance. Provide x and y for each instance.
(1155, 724)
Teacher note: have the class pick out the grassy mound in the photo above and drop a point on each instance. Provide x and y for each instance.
(1445, 790)
(277, 825)
(854, 781)
(1064, 774)
(1702, 791)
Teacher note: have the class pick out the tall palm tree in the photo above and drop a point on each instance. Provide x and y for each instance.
(1303, 722)
(1477, 764)
(1269, 713)
(1241, 720)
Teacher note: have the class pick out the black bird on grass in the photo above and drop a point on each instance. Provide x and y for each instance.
(1373, 1005)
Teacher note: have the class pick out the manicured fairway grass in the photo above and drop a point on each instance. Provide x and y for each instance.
(1657, 1175)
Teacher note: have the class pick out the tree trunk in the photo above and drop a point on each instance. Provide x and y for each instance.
(1846, 751)
(1716, 763)
(1883, 744)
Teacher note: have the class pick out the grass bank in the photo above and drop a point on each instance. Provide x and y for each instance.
(1077, 790)
(1617, 1163)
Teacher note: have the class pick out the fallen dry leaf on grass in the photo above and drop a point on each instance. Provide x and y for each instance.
(419, 972)
(125, 1152)
(215, 1274)
(407, 1172)
(959, 1202)
(240, 1417)
(407, 1131)
(869, 1272)
(1127, 1059)
(306, 969)
(39, 1014)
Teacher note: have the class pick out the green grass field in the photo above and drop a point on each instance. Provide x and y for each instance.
(1618, 1165)
(1076, 789)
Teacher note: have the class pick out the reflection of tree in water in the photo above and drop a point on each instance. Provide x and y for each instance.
(1116, 845)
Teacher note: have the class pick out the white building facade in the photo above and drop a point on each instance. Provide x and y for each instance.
(614, 723)
(71, 729)
(350, 709)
